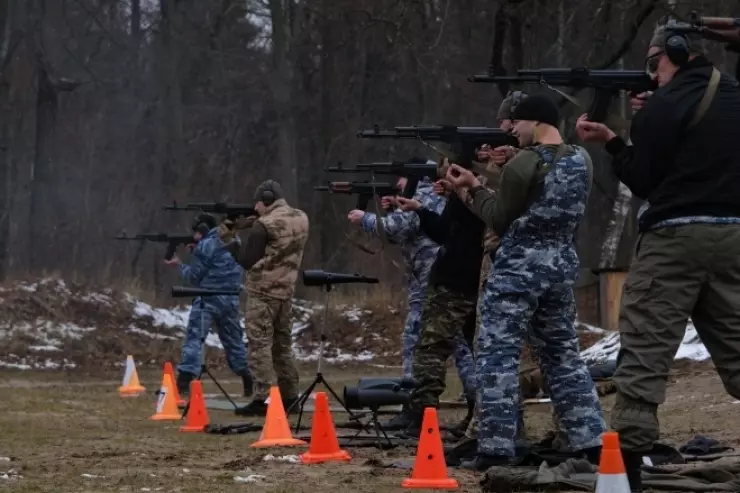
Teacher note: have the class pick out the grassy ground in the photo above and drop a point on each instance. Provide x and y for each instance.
(73, 433)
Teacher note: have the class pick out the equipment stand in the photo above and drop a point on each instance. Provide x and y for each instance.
(319, 378)
(374, 410)
(203, 366)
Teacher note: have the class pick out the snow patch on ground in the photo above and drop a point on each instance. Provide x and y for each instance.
(608, 347)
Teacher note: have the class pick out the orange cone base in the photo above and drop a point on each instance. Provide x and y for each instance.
(439, 484)
(193, 429)
(278, 442)
(341, 456)
(131, 391)
(166, 417)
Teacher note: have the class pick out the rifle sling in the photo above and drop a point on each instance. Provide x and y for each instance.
(706, 100)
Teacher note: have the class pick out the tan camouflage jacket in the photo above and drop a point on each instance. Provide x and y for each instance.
(275, 274)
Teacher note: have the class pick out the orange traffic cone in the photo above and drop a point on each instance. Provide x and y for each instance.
(324, 443)
(612, 477)
(166, 405)
(171, 372)
(276, 432)
(131, 386)
(430, 469)
(197, 418)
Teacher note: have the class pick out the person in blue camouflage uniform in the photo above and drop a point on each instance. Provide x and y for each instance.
(419, 253)
(212, 267)
(685, 163)
(542, 199)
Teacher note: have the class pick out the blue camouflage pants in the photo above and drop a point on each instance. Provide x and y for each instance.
(222, 313)
(463, 356)
(515, 302)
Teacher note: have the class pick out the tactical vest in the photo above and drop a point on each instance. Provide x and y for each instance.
(275, 274)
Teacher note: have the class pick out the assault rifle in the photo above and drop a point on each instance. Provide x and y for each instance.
(173, 241)
(365, 190)
(231, 211)
(414, 170)
(464, 141)
(723, 29)
(607, 84)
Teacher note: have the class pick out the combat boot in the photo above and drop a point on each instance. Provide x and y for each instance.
(247, 382)
(483, 462)
(400, 421)
(183, 384)
(464, 449)
(256, 407)
(462, 426)
(413, 429)
(633, 468)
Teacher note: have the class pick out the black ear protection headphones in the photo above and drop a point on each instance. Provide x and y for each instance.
(268, 195)
(203, 223)
(516, 98)
(677, 47)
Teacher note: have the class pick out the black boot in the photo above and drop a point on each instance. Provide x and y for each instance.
(255, 408)
(633, 467)
(290, 406)
(413, 429)
(462, 426)
(401, 421)
(464, 449)
(482, 462)
(247, 382)
(183, 384)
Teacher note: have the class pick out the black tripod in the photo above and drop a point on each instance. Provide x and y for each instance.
(327, 280)
(183, 292)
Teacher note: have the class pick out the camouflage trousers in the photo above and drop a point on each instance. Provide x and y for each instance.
(221, 312)
(446, 314)
(462, 357)
(271, 346)
(514, 302)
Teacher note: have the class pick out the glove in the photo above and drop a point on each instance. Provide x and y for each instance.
(226, 231)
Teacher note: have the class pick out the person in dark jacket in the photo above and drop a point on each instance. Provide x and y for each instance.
(451, 298)
(684, 161)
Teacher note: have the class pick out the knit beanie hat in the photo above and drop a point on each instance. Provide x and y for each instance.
(537, 108)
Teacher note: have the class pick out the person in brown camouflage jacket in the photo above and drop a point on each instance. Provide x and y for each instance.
(271, 255)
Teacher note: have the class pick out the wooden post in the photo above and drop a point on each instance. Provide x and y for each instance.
(610, 297)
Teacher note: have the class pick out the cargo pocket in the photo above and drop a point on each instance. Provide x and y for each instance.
(636, 290)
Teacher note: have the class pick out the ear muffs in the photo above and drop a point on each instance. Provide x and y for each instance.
(516, 98)
(268, 197)
(203, 223)
(677, 48)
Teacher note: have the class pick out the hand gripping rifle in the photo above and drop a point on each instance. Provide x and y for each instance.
(464, 141)
(365, 191)
(607, 84)
(723, 29)
(173, 241)
(414, 170)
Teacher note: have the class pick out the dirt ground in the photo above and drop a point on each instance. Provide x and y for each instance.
(67, 432)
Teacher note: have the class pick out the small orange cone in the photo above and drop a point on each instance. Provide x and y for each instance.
(166, 405)
(171, 372)
(131, 386)
(612, 477)
(197, 418)
(430, 469)
(324, 443)
(276, 432)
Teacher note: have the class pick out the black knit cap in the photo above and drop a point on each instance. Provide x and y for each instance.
(537, 108)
